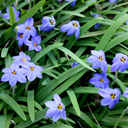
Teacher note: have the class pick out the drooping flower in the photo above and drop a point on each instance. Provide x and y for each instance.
(73, 27)
(126, 93)
(112, 1)
(34, 44)
(22, 59)
(98, 59)
(100, 80)
(6, 15)
(111, 96)
(33, 71)
(56, 109)
(97, 24)
(75, 64)
(48, 23)
(14, 74)
(27, 29)
(120, 61)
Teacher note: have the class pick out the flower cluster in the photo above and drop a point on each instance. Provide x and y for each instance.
(20, 68)
(100, 80)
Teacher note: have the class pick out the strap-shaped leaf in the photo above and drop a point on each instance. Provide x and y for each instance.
(73, 99)
(30, 101)
(13, 104)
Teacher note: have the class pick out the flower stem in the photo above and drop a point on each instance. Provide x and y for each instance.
(116, 75)
(27, 86)
(13, 91)
(121, 116)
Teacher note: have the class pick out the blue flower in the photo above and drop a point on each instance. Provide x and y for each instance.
(100, 80)
(126, 22)
(0, 13)
(14, 74)
(111, 96)
(27, 29)
(6, 15)
(98, 60)
(22, 59)
(73, 27)
(120, 61)
(20, 39)
(75, 64)
(34, 44)
(33, 71)
(126, 93)
(56, 109)
(96, 15)
(72, 3)
(112, 1)
(48, 23)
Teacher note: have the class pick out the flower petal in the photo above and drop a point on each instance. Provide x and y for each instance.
(21, 79)
(104, 93)
(50, 112)
(51, 104)
(56, 116)
(31, 76)
(106, 101)
(13, 80)
(57, 98)
(112, 104)
(5, 77)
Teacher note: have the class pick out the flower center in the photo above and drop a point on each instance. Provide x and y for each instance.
(28, 28)
(60, 106)
(21, 35)
(100, 58)
(101, 80)
(99, 15)
(23, 59)
(31, 68)
(35, 44)
(74, 24)
(13, 72)
(51, 22)
(122, 59)
(113, 96)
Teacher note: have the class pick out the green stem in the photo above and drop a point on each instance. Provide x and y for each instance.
(121, 116)
(116, 75)
(13, 91)
(27, 86)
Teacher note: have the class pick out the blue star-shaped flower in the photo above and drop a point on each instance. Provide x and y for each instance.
(14, 74)
(27, 29)
(56, 109)
(120, 61)
(100, 80)
(73, 27)
(75, 64)
(112, 1)
(6, 15)
(98, 59)
(111, 96)
(48, 23)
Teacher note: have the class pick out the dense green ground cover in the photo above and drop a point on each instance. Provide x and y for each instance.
(26, 108)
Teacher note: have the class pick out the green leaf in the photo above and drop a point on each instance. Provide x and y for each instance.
(4, 52)
(3, 121)
(45, 51)
(109, 33)
(30, 101)
(13, 104)
(12, 16)
(75, 13)
(56, 126)
(76, 58)
(73, 99)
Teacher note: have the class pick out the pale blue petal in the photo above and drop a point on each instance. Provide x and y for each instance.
(57, 98)
(51, 104)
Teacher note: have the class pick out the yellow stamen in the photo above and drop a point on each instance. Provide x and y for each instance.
(35, 44)
(28, 28)
(32, 68)
(74, 24)
(100, 58)
(99, 15)
(122, 59)
(21, 35)
(51, 22)
(13, 72)
(60, 106)
(101, 80)
(113, 96)
(23, 59)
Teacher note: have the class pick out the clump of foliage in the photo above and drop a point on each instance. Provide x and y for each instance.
(63, 63)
